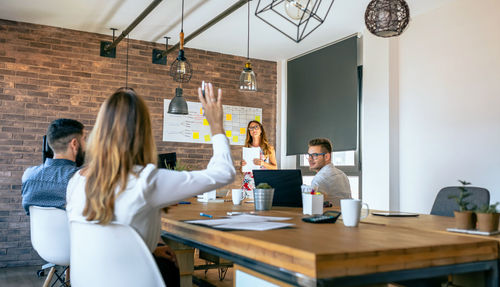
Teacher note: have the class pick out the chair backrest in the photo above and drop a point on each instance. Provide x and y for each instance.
(49, 230)
(110, 255)
(445, 206)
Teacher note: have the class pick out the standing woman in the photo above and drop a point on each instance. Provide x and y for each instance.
(256, 137)
(121, 183)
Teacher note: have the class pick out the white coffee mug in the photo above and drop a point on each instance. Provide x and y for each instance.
(351, 211)
(238, 195)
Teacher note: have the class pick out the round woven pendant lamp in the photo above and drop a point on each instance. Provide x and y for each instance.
(387, 18)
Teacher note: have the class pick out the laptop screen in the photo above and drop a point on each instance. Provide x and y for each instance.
(286, 184)
(167, 160)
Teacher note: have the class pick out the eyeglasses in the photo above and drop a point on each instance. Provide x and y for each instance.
(254, 128)
(315, 155)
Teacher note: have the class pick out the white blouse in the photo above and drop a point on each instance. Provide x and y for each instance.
(139, 206)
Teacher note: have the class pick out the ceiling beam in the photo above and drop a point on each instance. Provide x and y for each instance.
(108, 47)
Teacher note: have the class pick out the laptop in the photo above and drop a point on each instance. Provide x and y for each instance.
(167, 160)
(286, 184)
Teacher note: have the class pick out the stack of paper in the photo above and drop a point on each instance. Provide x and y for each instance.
(249, 154)
(245, 222)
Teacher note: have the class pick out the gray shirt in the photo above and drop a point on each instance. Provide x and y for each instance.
(333, 183)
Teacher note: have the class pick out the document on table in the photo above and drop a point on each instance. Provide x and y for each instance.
(245, 222)
(249, 154)
(256, 226)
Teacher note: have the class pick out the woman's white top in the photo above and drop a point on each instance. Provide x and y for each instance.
(139, 206)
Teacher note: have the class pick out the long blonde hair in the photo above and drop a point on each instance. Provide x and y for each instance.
(264, 144)
(121, 139)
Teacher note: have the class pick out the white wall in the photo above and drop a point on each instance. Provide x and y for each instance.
(450, 101)
(284, 161)
(440, 113)
(375, 122)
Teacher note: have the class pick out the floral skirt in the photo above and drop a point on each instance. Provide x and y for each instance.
(248, 182)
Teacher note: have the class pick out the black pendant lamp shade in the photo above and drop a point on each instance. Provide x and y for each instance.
(181, 70)
(248, 82)
(387, 18)
(178, 104)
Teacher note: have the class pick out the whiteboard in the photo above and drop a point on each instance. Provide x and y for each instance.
(194, 127)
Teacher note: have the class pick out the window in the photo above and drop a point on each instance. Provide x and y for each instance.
(347, 161)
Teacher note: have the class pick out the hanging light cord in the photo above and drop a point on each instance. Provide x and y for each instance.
(182, 19)
(126, 75)
(248, 33)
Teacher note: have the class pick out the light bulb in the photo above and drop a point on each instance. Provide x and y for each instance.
(181, 68)
(296, 8)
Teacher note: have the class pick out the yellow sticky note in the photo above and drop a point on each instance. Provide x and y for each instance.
(257, 118)
(228, 134)
(207, 138)
(242, 131)
(201, 111)
(196, 135)
(235, 139)
(229, 117)
(205, 122)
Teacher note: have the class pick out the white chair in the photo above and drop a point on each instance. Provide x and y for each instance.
(110, 255)
(49, 230)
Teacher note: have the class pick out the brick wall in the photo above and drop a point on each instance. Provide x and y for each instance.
(48, 73)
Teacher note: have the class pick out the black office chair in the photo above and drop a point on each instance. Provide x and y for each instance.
(46, 150)
(445, 206)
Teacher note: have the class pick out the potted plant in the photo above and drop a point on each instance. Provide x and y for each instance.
(464, 217)
(487, 218)
(179, 166)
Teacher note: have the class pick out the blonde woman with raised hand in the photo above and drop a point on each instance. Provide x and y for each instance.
(120, 181)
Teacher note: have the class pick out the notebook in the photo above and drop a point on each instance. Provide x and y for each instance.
(286, 184)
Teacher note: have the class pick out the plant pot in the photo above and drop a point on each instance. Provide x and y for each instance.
(465, 220)
(487, 222)
(263, 198)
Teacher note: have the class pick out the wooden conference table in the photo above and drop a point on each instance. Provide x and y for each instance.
(378, 250)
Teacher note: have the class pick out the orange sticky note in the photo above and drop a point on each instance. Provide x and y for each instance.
(242, 131)
(228, 134)
(205, 122)
(201, 111)
(229, 117)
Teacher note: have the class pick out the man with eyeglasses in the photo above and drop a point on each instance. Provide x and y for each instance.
(330, 181)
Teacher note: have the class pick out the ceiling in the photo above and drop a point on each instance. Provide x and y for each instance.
(229, 36)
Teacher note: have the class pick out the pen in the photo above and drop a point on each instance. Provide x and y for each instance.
(206, 215)
(203, 88)
(184, 202)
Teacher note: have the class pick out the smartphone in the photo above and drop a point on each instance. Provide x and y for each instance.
(203, 88)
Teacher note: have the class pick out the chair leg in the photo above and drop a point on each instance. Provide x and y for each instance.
(67, 277)
(49, 277)
(222, 272)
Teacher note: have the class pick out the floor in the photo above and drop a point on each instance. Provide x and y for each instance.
(27, 277)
